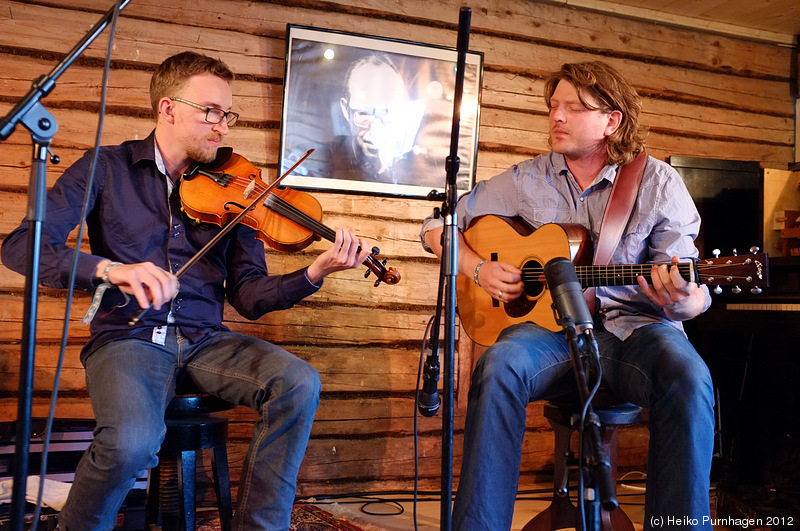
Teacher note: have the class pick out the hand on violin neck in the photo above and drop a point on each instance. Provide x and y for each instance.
(148, 283)
(347, 252)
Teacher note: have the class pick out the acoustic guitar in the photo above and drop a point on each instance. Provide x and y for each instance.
(512, 241)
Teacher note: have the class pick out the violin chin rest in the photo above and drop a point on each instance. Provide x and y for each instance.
(223, 156)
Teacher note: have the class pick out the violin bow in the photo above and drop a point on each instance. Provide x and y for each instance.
(225, 230)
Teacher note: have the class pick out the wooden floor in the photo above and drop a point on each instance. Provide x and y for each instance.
(396, 513)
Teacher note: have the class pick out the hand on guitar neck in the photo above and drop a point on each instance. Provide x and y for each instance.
(680, 299)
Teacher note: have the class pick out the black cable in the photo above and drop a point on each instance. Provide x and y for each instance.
(581, 457)
(73, 273)
(396, 503)
(416, 412)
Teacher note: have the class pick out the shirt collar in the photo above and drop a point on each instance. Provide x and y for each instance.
(144, 149)
(159, 160)
(147, 150)
(608, 173)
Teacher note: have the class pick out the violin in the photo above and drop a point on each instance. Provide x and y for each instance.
(287, 220)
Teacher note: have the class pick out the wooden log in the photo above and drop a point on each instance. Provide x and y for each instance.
(538, 22)
(256, 101)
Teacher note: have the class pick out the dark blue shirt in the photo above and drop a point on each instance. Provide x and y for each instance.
(133, 218)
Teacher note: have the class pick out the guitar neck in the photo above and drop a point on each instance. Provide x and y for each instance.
(624, 275)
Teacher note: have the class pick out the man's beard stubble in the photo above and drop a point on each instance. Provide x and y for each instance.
(199, 155)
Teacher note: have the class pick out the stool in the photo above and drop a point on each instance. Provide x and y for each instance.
(561, 513)
(171, 484)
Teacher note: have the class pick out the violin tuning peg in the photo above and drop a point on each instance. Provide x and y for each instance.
(375, 250)
(366, 274)
(377, 283)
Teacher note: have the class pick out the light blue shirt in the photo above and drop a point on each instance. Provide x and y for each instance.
(664, 223)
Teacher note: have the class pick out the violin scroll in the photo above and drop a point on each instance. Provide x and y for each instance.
(388, 275)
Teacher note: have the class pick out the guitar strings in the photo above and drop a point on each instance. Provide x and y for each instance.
(591, 272)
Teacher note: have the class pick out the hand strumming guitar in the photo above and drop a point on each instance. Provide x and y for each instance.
(500, 280)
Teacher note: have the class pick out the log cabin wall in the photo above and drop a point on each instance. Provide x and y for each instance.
(705, 95)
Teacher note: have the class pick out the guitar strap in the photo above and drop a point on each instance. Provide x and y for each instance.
(619, 208)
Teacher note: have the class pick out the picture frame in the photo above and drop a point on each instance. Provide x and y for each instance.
(377, 112)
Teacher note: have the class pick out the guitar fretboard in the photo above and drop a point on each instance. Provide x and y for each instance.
(610, 275)
(622, 275)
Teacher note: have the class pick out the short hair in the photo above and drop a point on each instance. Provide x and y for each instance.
(612, 93)
(172, 74)
(375, 59)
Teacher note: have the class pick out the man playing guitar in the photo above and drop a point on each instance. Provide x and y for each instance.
(645, 355)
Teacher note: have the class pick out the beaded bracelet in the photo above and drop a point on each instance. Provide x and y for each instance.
(478, 268)
(104, 276)
(98, 293)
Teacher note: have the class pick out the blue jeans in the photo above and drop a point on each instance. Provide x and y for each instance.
(656, 367)
(130, 383)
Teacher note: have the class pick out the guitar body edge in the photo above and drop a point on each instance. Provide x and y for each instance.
(495, 238)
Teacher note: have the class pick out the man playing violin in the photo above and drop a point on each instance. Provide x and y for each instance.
(645, 356)
(139, 239)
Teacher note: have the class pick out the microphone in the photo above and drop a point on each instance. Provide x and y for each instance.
(567, 292)
(429, 400)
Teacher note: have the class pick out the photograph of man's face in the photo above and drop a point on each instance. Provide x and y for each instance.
(378, 121)
(383, 120)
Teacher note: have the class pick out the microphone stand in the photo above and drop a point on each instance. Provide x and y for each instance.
(596, 469)
(42, 126)
(447, 277)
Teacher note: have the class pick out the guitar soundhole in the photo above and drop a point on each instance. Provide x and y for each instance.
(533, 278)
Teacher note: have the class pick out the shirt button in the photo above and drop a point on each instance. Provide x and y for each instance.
(582, 198)
(176, 267)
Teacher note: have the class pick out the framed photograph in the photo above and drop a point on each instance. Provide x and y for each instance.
(377, 112)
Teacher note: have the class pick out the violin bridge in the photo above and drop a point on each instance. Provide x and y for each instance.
(249, 189)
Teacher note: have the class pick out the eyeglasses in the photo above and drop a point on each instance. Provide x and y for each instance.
(213, 116)
(364, 117)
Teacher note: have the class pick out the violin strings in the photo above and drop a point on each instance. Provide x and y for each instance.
(283, 207)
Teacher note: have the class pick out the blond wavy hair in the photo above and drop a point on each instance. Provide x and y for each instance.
(612, 93)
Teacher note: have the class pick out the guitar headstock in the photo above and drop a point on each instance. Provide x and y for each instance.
(750, 270)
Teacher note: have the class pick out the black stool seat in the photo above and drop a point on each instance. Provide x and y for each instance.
(561, 414)
(610, 415)
(191, 427)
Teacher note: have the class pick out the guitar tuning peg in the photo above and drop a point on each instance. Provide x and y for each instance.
(736, 290)
(755, 290)
(754, 249)
(718, 290)
(735, 252)
(716, 253)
